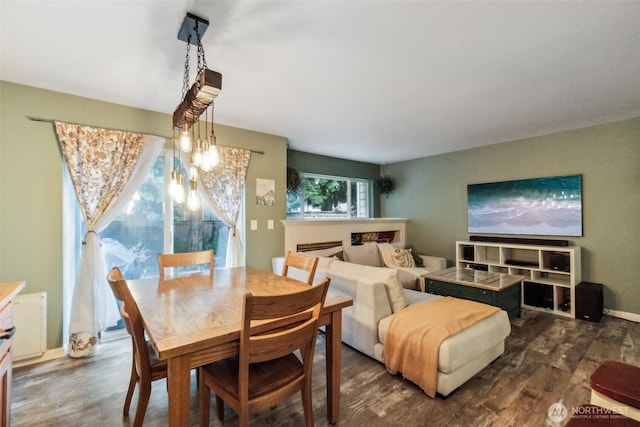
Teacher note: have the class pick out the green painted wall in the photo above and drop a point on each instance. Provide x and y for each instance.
(315, 163)
(31, 185)
(432, 192)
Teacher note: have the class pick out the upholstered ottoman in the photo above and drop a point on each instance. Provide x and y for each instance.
(616, 385)
(462, 355)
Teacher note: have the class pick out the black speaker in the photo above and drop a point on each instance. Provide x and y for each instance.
(589, 304)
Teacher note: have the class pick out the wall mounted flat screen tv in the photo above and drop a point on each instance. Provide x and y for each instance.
(550, 206)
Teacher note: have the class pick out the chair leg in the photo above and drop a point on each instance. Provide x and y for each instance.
(219, 408)
(244, 418)
(144, 394)
(307, 405)
(204, 399)
(132, 386)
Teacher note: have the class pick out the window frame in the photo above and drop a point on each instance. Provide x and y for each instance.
(367, 191)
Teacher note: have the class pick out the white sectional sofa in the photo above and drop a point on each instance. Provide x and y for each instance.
(378, 294)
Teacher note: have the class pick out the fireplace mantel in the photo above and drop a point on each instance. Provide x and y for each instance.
(306, 231)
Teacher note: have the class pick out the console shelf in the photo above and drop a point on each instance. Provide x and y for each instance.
(551, 272)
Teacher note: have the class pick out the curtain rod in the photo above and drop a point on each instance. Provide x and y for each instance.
(37, 119)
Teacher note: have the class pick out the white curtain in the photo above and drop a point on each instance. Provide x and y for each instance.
(106, 168)
(222, 189)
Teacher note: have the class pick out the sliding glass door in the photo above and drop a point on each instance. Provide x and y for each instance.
(151, 223)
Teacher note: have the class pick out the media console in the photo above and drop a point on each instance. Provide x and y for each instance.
(551, 272)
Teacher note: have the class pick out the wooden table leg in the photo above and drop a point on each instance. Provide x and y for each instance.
(333, 335)
(179, 380)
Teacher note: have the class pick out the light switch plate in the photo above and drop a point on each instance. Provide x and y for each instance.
(254, 224)
(270, 224)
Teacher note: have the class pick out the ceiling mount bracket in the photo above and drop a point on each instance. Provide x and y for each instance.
(187, 31)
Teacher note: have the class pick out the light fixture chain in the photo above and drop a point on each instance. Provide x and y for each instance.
(185, 80)
(202, 62)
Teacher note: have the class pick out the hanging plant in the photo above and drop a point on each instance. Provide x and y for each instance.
(385, 185)
(293, 180)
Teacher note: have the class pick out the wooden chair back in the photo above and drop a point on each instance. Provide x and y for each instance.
(131, 315)
(184, 259)
(301, 262)
(293, 324)
(273, 329)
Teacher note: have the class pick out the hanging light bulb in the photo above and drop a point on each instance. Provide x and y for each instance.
(176, 189)
(178, 196)
(173, 184)
(174, 173)
(207, 161)
(185, 140)
(193, 172)
(196, 158)
(206, 158)
(193, 199)
(214, 155)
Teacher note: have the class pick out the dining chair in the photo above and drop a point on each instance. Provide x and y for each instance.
(266, 371)
(184, 259)
(301, 262)
(145, 367)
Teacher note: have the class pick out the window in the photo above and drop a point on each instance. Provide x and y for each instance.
(133, 240)
(323, 196)
(151, 223)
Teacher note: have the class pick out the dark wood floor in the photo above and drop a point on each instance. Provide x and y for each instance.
(548, 359)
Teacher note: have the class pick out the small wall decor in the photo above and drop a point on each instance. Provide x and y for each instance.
(385, 185)
(265, 192)
(293, 180)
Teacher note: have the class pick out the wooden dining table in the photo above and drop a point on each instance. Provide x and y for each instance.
(194, 319)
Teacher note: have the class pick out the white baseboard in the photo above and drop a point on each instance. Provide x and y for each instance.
(59, 352)
(52, 354)
(634, 317)
(114, 335)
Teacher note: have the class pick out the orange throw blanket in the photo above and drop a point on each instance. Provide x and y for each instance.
(415, 333)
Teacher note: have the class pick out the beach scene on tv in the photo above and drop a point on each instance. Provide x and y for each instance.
(550, 206)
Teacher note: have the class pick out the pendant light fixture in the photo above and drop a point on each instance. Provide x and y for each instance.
(176, 188)
(195, 101)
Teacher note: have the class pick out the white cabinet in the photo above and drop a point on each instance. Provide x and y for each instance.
(8, 292)
(551, 272)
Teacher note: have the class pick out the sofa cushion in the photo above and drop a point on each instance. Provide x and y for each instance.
(388, 276)
(366, 254)
(404, 258)
(395, 257)
(417, 259)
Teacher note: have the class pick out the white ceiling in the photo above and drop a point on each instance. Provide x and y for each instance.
(376, 81)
